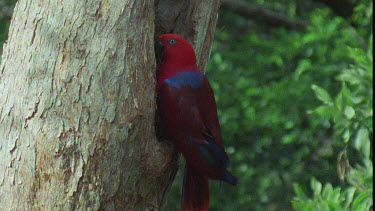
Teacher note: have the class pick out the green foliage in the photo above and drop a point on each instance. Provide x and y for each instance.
(263, 104)
(362, 17)
(328, 198)
(352, 109)
(332, 198)
(280, 122)
(351, 112)
(267, 86)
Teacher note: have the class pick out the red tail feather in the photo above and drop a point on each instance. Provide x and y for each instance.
(195, 191)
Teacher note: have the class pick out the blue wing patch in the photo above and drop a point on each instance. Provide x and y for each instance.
(213, 152)
(188, 78)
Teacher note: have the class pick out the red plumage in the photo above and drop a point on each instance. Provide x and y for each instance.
(188, 111)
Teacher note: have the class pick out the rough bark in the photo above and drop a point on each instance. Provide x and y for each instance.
(77, 103)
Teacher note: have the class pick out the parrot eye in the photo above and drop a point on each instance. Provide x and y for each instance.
(172, 41)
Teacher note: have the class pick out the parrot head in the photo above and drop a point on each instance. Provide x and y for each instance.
(176, 50)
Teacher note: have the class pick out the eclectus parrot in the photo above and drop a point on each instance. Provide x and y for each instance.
(188, 112)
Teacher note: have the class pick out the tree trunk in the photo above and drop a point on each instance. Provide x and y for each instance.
(77, 102)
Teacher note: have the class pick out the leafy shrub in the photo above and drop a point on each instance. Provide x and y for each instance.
(351, 112)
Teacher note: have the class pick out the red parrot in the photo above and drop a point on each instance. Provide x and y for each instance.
(189, 114)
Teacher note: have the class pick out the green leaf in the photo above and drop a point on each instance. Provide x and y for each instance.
(369, 51)
(288, 138)
(302, 205)
(277, 60)
(348, 196)
(332, 205)
(345, 94)
(335, 196)
(303, 65)
(340, 99)
(349, 75)
(346, 135)
(362, 142)
(368, 112)
(359, 55)
(363, 201)
(299, 192)
(356, 99)
(298, 205)
(327, 191)
(316, 186)
(322, 94)
(349, 112)
(326, 111)
(321, 206)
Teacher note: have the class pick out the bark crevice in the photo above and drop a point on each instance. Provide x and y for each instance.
(78, 105)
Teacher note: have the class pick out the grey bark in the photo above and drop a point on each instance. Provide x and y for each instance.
(77, 103)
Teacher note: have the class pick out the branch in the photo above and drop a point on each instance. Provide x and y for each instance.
(340, 7)
(263, 16)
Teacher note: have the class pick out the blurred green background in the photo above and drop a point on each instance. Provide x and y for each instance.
(293, 82)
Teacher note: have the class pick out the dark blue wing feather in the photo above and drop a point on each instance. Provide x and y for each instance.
(218, 150)
(187, 78)
(213, 152)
